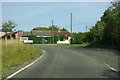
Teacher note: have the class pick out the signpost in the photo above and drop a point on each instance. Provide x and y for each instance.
(58, 33)
(43, 40)
(20, 34)
(19, 31)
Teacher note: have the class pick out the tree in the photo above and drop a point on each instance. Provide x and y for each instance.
(80, 38)
(96, 31)
(111, 19)
(108, 28)
(5, 28)
(41, 28)
(63, 29)
(8, 27)
(108, 19)
(53, 27)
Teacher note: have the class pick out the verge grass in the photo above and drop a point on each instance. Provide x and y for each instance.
(16, 54)
(82, 45)
(0, 59)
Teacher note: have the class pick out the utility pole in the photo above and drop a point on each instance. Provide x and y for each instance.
(52, 22)
(58, 33)
(53, 31)
(71, 24)
(86, 28)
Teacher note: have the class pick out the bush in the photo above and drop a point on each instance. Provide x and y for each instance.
(38, 40)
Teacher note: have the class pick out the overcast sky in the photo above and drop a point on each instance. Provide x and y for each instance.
(39, 14)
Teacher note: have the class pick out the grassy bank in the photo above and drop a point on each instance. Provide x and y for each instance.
(95, 45)
(16, 54)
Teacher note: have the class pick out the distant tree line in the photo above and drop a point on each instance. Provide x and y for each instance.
(53, 27)
(106, 31)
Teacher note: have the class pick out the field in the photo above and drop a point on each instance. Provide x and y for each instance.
(16, 54)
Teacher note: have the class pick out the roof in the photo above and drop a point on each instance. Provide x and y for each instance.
(27, 33)
(13, 33)
(61, 33)
(2, 34)
(46, 33)
(41, 33)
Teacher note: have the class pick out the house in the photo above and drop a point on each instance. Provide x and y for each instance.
(41, 33)
(46, 33)
(26, 33)
(3, 33)
(13, 33)
(60, 33)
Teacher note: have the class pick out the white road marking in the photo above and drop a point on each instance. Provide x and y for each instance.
(110, 67)
(25, 66)
(43, 51)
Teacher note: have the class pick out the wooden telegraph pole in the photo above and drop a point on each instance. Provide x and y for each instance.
(71, 24)
(86, 28)
(53, 31)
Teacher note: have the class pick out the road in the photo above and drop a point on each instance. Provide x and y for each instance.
(72, 62)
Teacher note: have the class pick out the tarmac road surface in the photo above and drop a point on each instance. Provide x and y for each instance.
(73, 62)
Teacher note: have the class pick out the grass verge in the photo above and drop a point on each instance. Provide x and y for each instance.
(15, 54)
(83, 45)
(96, 45)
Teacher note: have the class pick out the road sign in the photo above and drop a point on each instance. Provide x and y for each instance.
(19, 31)
(43, 39)
(19, 34)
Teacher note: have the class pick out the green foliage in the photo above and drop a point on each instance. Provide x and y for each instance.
(96, 32)
(61, 38)
(35, 39)
(80, 38)
(107, 30)
(16, 54)
(8, 26)
(111, 18)
(63, 29)
(38, 40)
(41, 28)
(54, 28)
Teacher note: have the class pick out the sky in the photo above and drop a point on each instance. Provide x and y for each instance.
(56, 0)
(28, 15)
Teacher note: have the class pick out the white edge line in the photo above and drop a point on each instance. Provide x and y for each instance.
(110, 67)
(25, 66)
